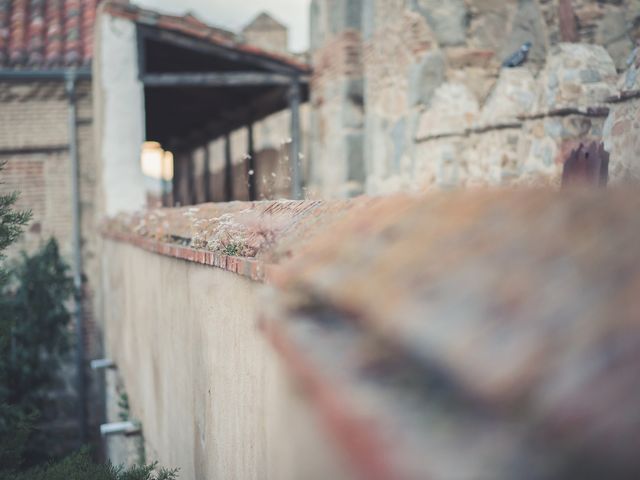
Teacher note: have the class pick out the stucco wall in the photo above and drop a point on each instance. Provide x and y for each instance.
(210, 393)
(119, 98)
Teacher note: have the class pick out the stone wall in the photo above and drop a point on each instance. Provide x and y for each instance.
(337, 98)
(440, 110)
(120, 125)
(622, 126)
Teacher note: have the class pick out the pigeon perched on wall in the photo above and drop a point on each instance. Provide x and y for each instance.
(518, 58)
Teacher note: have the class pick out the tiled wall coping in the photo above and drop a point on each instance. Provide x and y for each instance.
(251, 268)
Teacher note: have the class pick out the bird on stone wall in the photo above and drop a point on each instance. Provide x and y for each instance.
(518, 58)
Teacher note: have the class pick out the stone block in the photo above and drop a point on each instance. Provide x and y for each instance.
(344, 15)
(399, 140)
(353, 103)
(490, 23)
(368, 18)
(354, 150)
(462, 57)
(621, 140)
(528, 26)
(453, 109)
(514, 94)
(425, 78)
(448, 20)
(577, 75)
(611, 33)
(479, 81)
(491, 158)
(353, 14)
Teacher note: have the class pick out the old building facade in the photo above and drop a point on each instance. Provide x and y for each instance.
(70, 89)
(268, 33)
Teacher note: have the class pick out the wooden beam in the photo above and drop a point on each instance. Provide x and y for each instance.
(215, 79)
(296, 175)
(235, 119)
(251, 164)
(229, 52)
(228, 169)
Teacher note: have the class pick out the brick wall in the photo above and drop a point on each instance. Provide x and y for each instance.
(34, 144)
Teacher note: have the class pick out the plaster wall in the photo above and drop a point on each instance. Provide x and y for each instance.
(119, 96)
(210, 392)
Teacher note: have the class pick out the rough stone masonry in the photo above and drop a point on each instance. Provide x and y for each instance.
(409, 94)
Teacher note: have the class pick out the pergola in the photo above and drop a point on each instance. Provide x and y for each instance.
(198, 89)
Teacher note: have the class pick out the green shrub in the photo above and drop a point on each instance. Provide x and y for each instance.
(35, 311)
(79, 466)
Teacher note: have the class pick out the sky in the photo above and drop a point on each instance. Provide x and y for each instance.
(234, 14)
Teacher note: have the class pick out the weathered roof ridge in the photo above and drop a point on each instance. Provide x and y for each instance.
(263, 17)
(190, 25)
(41, 35)
(54, 34)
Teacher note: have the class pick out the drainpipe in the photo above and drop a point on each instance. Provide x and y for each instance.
(294, 105)
(70, 77)
(70, 83)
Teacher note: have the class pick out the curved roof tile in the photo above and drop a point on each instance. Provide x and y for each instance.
(48, 34)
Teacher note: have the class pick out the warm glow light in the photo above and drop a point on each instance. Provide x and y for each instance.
(156, 162)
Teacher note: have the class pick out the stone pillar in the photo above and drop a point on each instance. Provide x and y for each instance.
(337, 95)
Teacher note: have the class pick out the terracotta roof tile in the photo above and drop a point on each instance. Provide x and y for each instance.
(53, 36)
(46, 34)
(41, 34)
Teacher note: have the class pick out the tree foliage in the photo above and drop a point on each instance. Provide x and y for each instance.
(34, 339)
(79, 466)
(36, 314)
(11, 221)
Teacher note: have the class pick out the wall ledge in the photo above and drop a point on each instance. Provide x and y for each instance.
(251, 268)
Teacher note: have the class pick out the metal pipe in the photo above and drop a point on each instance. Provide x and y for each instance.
(192, 196)
(228, 169)
(296, 184)
(70, 79)
(102, 363)
(294, 105)
(206, 175)
(58, 74)
(119, 428)
(251, 163)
